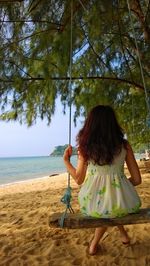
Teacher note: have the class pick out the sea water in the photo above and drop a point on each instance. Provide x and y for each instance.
(18, 169)
(24, 168)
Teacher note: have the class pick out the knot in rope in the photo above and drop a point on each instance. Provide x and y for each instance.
(66, 199)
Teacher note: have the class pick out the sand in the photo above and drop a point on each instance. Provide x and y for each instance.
(27, 239)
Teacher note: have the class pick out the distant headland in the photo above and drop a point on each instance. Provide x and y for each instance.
(59, 150)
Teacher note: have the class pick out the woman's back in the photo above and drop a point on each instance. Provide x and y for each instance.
(116, 167)
(106, 191)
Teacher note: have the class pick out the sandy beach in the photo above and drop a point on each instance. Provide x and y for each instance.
(26, 238)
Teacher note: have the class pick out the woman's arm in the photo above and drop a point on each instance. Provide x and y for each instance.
(79, 172)
(133, 168)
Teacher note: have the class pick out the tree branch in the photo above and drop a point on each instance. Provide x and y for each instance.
(80, 78)
(32, 20)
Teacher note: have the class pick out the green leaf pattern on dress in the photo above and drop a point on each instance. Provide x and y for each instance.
(85, 202)
(102, 191)
(115, 183)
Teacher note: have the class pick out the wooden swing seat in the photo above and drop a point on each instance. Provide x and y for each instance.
(77, 220)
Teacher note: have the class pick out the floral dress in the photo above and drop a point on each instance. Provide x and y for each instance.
(106, 191)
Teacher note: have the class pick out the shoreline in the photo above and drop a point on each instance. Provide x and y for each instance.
(29, 180)
(22, 181)
(36, 184)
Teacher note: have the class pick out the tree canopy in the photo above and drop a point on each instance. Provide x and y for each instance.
(35, 59)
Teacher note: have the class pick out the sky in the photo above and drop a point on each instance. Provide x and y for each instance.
(40, 139)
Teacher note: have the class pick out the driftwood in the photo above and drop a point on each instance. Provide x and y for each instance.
(78, 220)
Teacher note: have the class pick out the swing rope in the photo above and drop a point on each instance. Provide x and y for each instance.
(66, 199)
(147, 98)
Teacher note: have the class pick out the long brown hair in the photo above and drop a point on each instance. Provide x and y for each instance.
(101, 137)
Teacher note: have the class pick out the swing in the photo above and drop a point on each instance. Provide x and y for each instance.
(77, 220)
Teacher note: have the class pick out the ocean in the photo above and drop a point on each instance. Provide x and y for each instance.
(18, 169)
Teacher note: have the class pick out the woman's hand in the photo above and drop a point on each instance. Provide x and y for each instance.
(67, 153)
(79, 172)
